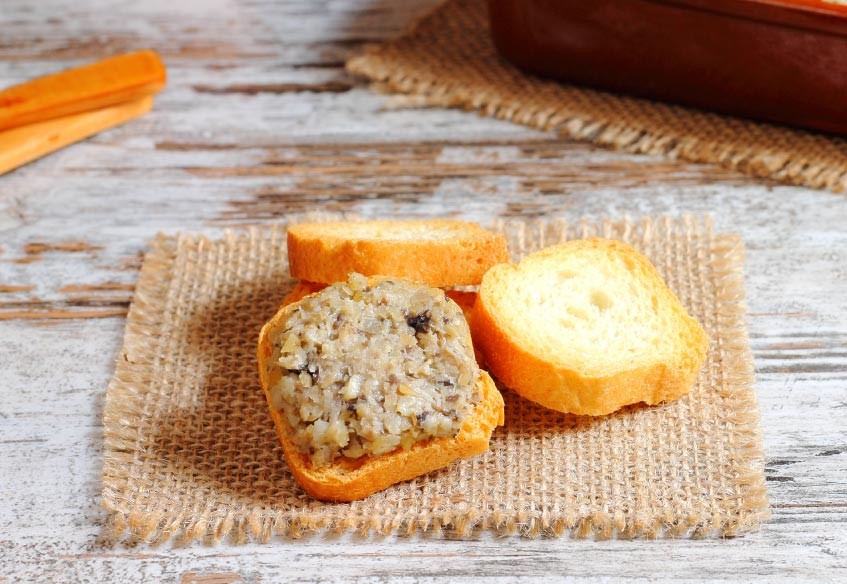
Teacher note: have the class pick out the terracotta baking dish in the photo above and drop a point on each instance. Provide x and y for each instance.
(780, 61)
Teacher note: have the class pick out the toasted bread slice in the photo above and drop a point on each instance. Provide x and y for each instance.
(587, 327)
(348, 479)
(438, 252)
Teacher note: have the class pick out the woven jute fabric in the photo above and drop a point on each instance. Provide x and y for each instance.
(190, 449)
(449, 60)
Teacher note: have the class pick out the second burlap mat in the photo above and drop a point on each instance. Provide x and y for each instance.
(190, 449)
(449, 60)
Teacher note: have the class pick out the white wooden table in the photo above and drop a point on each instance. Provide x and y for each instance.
(259, 120)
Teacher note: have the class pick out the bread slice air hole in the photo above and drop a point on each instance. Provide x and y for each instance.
(578, 312)
(601, 299)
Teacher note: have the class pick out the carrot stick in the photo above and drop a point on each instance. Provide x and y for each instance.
(97, 85)
(21, 145)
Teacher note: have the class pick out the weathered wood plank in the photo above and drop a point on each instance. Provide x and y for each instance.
(472, 181)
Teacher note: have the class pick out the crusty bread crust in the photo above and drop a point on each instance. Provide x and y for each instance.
(438, 252)
(465, 300)
(300, 291)
(353, 479)
(519, 364)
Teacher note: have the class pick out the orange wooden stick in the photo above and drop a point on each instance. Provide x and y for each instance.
(94, 86)
(21, 145)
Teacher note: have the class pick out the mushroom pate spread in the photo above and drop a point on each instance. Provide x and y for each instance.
(366, 367)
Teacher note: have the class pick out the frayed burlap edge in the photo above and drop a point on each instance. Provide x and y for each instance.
(639, 126)
(120, 413)
(727, 263)
(141, 341)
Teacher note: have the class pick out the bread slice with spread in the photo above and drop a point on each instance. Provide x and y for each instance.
(371, 382)
(587, 327)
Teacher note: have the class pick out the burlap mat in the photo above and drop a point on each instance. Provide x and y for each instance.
(190, 448)
(448, 59)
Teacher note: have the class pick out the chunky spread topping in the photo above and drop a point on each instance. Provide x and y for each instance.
(367, 368)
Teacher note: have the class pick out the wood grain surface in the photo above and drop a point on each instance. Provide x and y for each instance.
(259, 120)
